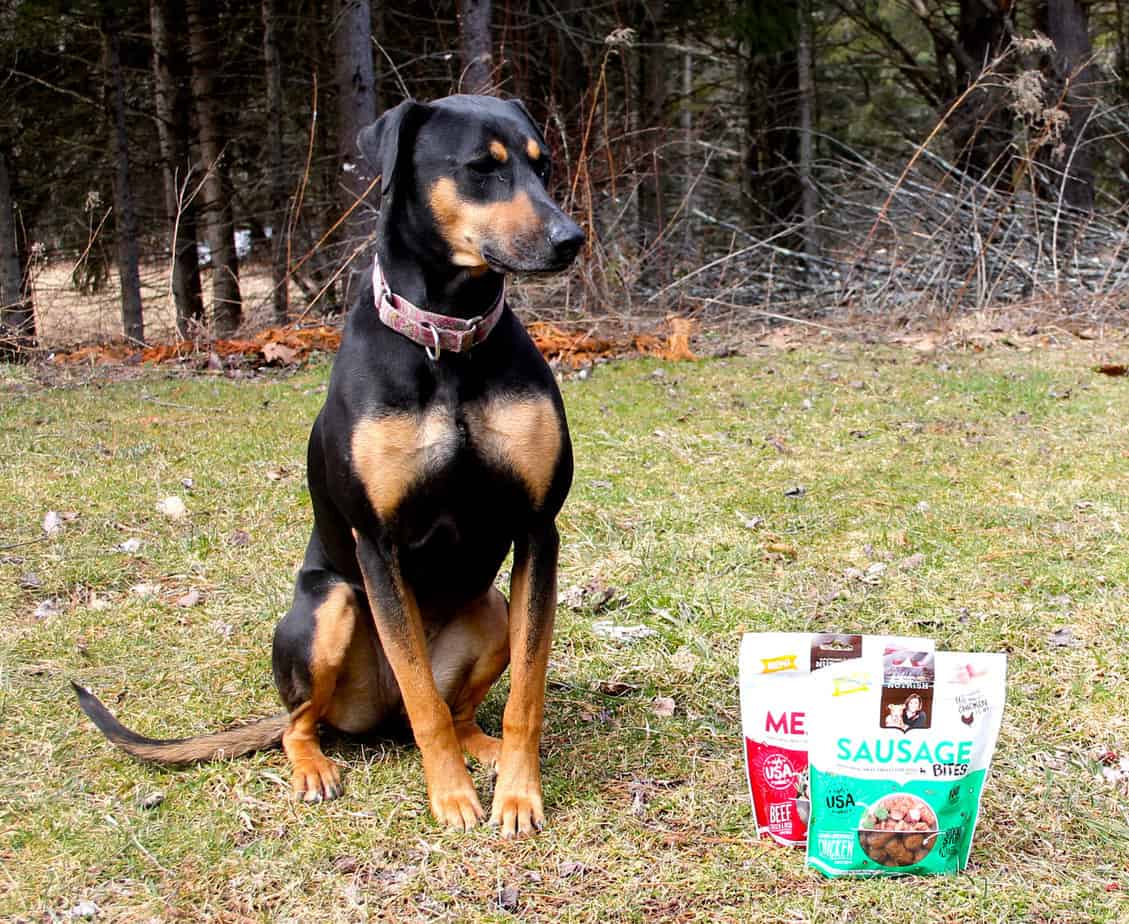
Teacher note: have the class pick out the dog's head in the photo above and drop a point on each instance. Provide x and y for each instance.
(471, 172)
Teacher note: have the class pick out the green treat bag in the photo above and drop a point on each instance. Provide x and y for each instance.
(898, 754)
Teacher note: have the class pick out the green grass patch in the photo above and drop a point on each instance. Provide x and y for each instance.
(710, 498)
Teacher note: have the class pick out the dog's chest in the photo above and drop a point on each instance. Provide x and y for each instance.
(516, 438)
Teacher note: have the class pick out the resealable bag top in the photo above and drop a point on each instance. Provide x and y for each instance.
(898, 763)
(775, 681)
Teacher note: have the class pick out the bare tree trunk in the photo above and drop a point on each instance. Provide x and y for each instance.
(477, 46)
(1073, 77)
(809, 194)
(17, 319)
(654, 183)
(771, 111)
(356, 108)
(173, 128)
(982, 126)
(227, 302)
(689, 161)
(125, 216)
(280, 286)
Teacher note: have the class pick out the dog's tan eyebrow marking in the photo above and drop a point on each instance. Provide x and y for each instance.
(533, 149)
(498, 151)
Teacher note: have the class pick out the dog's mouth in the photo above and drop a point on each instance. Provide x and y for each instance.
(501, 265)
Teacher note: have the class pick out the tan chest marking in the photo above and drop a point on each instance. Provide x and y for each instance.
(392, 453)
(524, 435)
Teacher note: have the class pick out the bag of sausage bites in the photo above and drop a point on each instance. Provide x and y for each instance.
(775, 678)
(898, 763)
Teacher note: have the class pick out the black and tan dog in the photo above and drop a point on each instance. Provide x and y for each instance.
(442, 444)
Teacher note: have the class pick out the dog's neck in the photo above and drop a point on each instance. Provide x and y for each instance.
(429, 282)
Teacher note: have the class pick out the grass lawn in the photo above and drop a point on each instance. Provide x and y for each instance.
(993, 487)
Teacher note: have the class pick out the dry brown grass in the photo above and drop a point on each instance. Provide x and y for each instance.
(66, 318)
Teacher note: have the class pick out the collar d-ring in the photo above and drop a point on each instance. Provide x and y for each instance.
(430, 328)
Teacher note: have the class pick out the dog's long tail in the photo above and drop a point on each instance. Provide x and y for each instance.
(243, 739)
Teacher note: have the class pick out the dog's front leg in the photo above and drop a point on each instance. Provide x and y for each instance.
(398, 623)
(533, 602)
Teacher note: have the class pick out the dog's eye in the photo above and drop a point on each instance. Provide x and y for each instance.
(483, 166)
(542, 169)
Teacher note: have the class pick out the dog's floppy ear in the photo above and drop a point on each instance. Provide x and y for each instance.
(520, 106)
(380, 142)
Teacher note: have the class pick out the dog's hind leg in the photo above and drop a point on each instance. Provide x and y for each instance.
(311, 646)
(466, 658)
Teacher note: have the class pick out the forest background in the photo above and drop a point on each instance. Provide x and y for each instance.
(187, 168)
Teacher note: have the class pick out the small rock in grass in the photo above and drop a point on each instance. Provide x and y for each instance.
(52, 522)
(130, 546)
(46, 609)
(663, 706)
(172, 507)
(345, 865)
(684, 660)
(912, 562)
(189, 599)
(604, 628)
(753, 522)
(85, 909)
(508, 898)
(1064, 638)
(145, 591)
(616, 688)
(30, 581)
(152, 800)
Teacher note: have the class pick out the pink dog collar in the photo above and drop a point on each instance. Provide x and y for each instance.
(434, 332)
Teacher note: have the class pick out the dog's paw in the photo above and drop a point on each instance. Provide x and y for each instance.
(484, 748)
(454, 803)
(458, 809)
(316, 779)
(517, 810)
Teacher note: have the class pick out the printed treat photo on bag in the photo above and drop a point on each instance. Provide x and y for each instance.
(776, 671)
(898, 761)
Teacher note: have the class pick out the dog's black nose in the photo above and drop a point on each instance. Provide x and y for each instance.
(566, 238)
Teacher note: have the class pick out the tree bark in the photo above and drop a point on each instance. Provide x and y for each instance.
(982, 127)
(476, 44)
(227, 302)
(1069, 165)
(772, 111)
(125, 216)
(173, 129)
(690, 164)
(356, 109)
(276, 181)
(654, 184)
(809, 194)
(17, 319)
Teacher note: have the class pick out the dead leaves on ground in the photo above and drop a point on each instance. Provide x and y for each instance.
(1112, 369)
(577, 349)
(281, 346)
(289, 346)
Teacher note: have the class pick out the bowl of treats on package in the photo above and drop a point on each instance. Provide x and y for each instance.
(898, 830)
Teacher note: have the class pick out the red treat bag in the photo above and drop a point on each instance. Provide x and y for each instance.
(775, 677)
